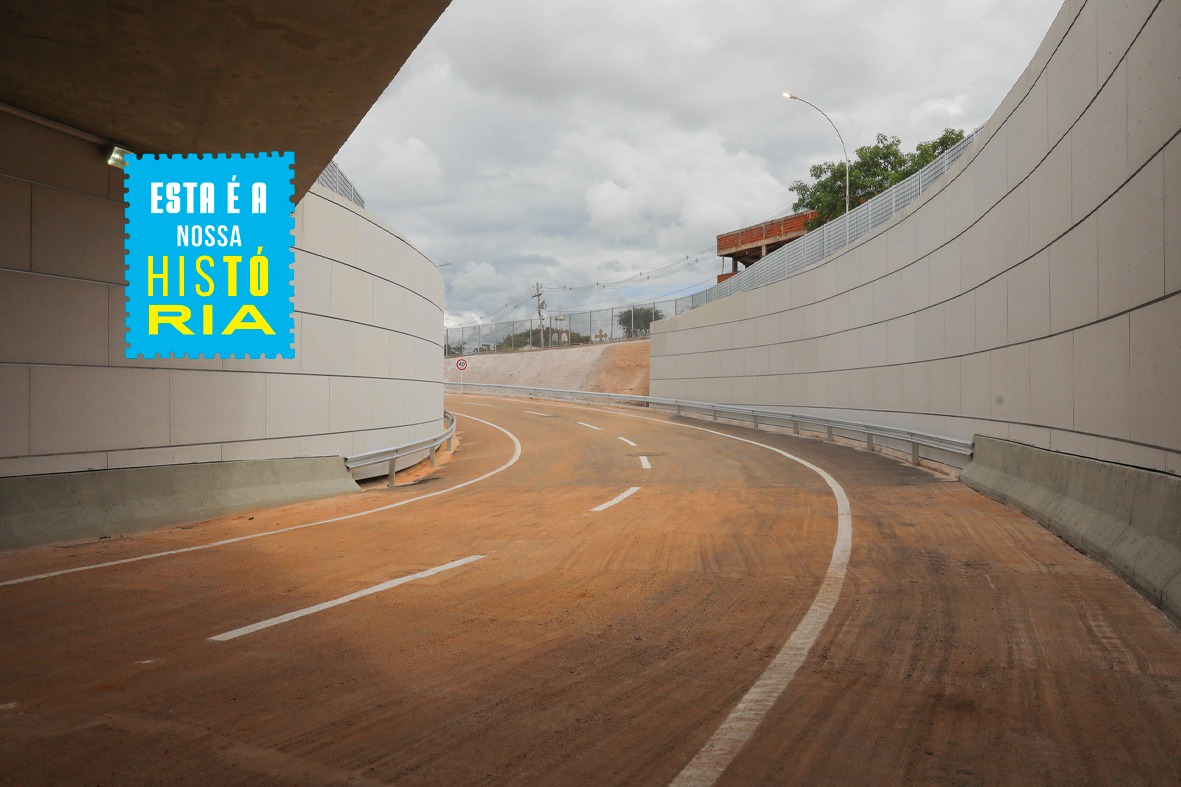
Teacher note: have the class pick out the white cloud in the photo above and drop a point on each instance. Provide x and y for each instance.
(583, 141)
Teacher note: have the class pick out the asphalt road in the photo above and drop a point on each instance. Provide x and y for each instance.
(487, 625)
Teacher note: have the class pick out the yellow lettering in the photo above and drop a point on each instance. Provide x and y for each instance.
(260, 277)
(176, 316)
(204, 293)
(152, 275)
(258, 322)
(207, 322)
(232, 275)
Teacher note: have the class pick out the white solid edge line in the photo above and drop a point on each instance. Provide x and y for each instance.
(336, 602)
(154, 555)
(723, 746)
(543, 415)
(478, 404)
(629, 442)
(589, 426)
(644, 463)
(618, 499)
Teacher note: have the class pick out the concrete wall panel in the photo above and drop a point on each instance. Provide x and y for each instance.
(1155, 346)
(14, 404)
(1029, 299)
(77, 235)
(296, 404)
(1172, 211)
(1051, 381)
(15, 221)
(1154, 84)
(1074, 278)
(1103, 127)
(216, 407)
(1049, 197)
(1102, 369)
(33, 328)
(79, 409)
(1131, 261)
(1072, 74)
(1031, 294)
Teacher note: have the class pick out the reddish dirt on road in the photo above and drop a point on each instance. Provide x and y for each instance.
(969, 645)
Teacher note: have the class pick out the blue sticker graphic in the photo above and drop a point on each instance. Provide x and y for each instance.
(209, 256)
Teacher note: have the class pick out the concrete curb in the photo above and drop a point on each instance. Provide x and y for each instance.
(1127, 518)
(44, 509)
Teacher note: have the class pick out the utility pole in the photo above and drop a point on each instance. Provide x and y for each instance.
(540, 318)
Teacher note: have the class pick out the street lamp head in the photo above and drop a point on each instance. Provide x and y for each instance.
(789, 95)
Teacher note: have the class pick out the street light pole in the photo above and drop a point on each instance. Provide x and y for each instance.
(843, 150)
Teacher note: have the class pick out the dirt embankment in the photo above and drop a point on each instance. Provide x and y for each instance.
(621, 367)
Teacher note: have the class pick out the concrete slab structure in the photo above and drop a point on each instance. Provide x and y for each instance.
(204, 76)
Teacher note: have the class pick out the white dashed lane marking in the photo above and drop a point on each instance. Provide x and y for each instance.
(336, 602)
(618, 499)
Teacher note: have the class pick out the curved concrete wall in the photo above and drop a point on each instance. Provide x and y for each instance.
(1033, 296)
(367, 371)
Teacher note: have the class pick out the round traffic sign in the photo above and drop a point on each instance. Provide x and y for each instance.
(461, 364)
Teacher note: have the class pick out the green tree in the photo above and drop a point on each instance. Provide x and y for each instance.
(535, 337)
(874, 169)
(637, 321)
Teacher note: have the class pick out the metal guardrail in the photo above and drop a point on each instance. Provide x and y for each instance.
(392, 455)
(870, 434)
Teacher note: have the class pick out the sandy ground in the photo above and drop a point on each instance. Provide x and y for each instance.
(618, 367)
(969, 645)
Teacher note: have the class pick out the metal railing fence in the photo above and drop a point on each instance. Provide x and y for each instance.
(391, 455)
(950, 450)
(585, 327)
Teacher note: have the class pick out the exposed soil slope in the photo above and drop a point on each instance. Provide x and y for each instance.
(621, 367)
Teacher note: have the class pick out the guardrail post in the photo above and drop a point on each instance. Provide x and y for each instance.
(678, 408)
(448, 445)
(914, 453)
(432, 451)
(714, 411)
(795, 426)
(869, 441)
(755, 420)
(829, 429)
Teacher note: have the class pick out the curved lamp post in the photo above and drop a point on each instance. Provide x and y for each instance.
(843, 150)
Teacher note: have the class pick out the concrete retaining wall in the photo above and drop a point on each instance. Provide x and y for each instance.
(368, 323)
(1034, 294)
(71, 506)
(367, 372)
(1125, 517)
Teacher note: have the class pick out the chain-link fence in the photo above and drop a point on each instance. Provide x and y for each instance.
(563, 329)
(633, 322)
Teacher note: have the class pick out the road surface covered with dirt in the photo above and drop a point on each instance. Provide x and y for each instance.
(486, 624)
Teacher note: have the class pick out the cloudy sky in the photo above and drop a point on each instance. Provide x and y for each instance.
(580, 141)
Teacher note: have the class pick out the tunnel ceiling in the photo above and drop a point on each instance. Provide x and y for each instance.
(209, 77)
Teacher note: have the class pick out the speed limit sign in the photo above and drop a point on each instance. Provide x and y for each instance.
(461, 364)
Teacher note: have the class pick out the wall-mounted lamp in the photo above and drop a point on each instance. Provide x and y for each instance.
(116, 156)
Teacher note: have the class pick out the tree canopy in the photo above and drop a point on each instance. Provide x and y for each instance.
(637, 321)
(874, 169)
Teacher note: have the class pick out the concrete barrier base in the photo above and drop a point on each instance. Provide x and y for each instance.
(45, 509)
(1125, 517)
